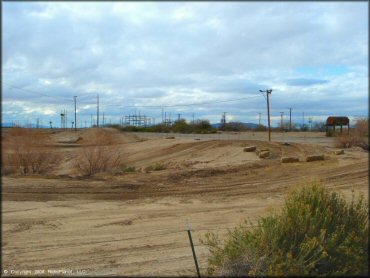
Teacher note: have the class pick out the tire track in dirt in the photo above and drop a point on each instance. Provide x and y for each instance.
(134, 223)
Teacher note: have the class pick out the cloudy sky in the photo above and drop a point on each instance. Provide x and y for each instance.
(187, 57)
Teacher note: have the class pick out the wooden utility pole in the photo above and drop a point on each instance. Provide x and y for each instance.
(97, 111)
(259, 118)
(61, 119)
(281, 121)
(75, 97)
(290, 119)
(162, 114)
(268, 92)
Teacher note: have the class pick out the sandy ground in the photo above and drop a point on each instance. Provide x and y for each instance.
(134, 223)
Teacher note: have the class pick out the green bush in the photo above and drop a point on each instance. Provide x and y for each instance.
(316, 233)
(181, 126)
(129, 169)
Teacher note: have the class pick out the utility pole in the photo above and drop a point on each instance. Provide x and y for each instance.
(290, 119)
(97, 111)
(268, 92)
(259, 118)
(75, 97)
(61, 119)
(162, 114)
(193, 118)
(303, 119)
(281, 122)
(66, 122)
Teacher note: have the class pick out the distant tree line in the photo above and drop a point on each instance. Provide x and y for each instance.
(203, 126)
(179, 126)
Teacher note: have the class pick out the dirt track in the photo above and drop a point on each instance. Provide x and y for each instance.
(134, 223)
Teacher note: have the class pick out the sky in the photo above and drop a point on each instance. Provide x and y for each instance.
(182, 58)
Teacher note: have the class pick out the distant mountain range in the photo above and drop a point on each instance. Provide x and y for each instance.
(30, 125)
(247, 125)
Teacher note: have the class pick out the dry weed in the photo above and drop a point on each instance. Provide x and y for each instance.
(26, 153)
(359, 136)
(97, 159)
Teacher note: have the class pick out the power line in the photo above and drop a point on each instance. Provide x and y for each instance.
(36, 93)
(130, 106)
(182, 105)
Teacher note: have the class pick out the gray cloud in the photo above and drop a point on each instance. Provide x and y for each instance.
(167, 53)
(305, 81)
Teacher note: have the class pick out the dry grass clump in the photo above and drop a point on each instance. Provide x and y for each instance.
(362, 127)
(345, 140)
(25, 152)
(159, 166)
(359, 136)
(100, 157)
(97, 159)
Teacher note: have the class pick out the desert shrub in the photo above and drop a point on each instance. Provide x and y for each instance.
(97, 159)
(316, 233)
(358, 136)
(346, 140)
(156, 167)
(162, 128)
(181, 126)
(362, 127)
(129, 169)
(203, 127)
(350, 140)
(27, 153)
